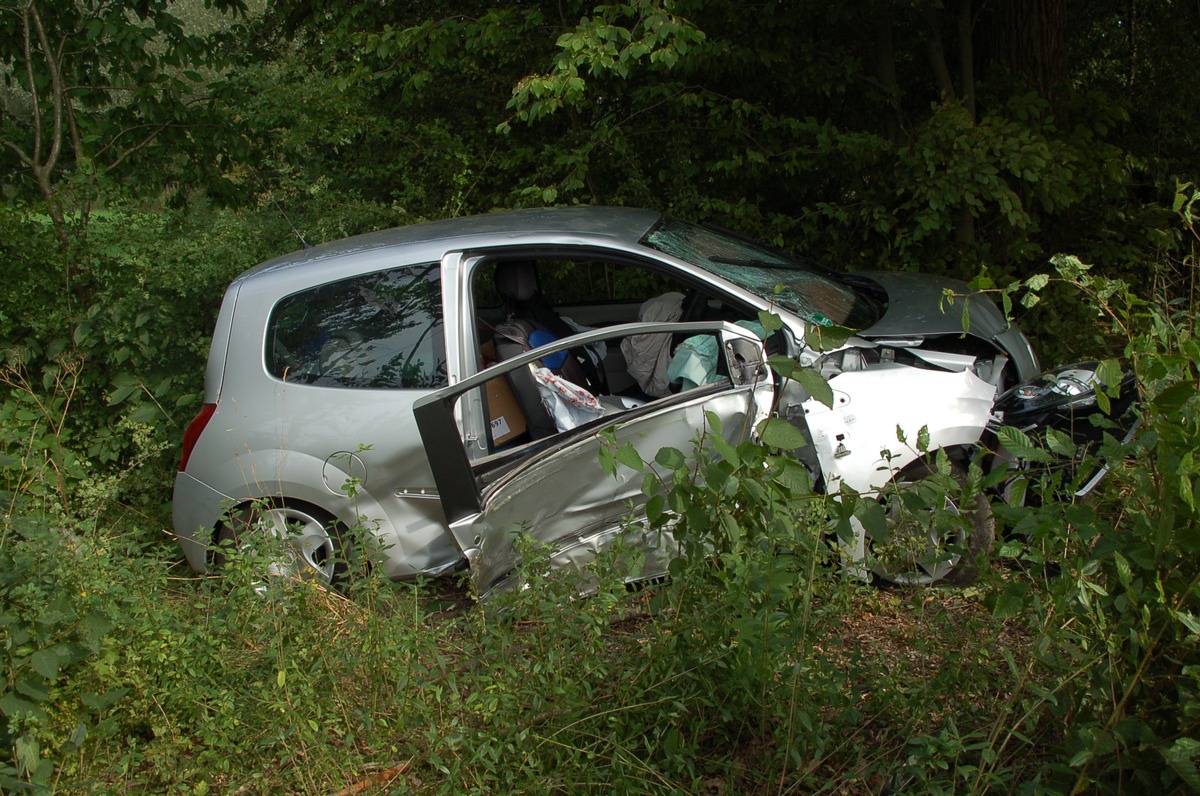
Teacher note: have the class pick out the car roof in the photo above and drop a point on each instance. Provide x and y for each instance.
(567, 224)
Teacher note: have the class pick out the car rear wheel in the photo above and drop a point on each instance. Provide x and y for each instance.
(934, 535)
(293, 540)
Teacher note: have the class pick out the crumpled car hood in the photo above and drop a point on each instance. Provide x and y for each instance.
(916, 307)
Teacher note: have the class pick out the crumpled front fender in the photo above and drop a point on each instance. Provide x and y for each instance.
(878, 415)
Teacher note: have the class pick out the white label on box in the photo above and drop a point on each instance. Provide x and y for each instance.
(500, 428)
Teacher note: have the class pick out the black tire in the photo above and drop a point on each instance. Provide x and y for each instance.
(313, 545)
(925, 548)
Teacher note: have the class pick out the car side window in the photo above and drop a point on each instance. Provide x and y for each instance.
(375, 331)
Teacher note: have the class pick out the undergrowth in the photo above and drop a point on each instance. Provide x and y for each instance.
(1070, 667)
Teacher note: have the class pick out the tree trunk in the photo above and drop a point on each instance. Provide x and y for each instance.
(966, 55)
(964, 231)
(885, 70)
(937, 54)
(1029, 40)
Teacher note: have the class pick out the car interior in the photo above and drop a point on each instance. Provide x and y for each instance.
(525, 302)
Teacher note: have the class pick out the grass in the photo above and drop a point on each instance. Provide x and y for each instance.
(413, 689)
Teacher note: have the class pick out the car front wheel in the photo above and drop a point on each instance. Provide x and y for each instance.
(937, 531)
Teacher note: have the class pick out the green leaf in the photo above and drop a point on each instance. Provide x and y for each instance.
(794, 476)
(608, 460)
(770, 321)
(1010, 601)
(873, 517)
(14, 706)
(655, 509)
(671, 458)
(726, 451)
(733, 531)
(120, 394)
(827, 338)
(1190, 621)
(714, 422)
(28, 754)
(144, 414)
(96, 625)
(45, 663)
(1173, 398)
(629, 456)
(783, 365)
(105, 700)
(1181, 757)
(33, 688)
(78, 736)
(1060, 442)
(1110, 373)
(651, 485)
(815, 385)
(1037, 281)
(775, 432)
(1019, 444)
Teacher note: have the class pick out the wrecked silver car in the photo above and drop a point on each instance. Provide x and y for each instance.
(441, 386)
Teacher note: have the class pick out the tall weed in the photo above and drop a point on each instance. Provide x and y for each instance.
(1115, 659)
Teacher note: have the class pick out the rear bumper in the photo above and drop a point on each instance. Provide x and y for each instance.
(196, 508)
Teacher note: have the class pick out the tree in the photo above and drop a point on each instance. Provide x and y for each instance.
(92, 85)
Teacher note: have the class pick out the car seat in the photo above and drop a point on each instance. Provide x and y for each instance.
(528, 315)
(648, 355)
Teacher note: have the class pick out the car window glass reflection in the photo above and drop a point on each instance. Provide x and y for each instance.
(379, 330)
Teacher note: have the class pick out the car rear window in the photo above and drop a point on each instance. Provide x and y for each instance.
(375, 331)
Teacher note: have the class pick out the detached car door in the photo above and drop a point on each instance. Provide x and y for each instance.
(555, 489)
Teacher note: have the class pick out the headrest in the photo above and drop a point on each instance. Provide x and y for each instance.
(516, 280)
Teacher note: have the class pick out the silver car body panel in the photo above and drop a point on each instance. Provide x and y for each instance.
(286, 447)
(273, 439)
(559, 493)
(218, 353)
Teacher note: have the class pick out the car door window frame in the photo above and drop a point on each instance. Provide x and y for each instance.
(458, 474)
(460, 268)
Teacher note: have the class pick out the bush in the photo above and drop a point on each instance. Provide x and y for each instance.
(1116, 660)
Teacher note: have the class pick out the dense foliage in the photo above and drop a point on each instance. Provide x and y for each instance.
(152, 149)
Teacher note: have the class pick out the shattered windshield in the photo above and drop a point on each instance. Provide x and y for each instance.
(814, 293)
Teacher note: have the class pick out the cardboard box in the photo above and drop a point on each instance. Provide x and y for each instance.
(504, 415)
(505, 419)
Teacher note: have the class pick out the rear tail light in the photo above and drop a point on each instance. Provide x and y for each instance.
(194, 430)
